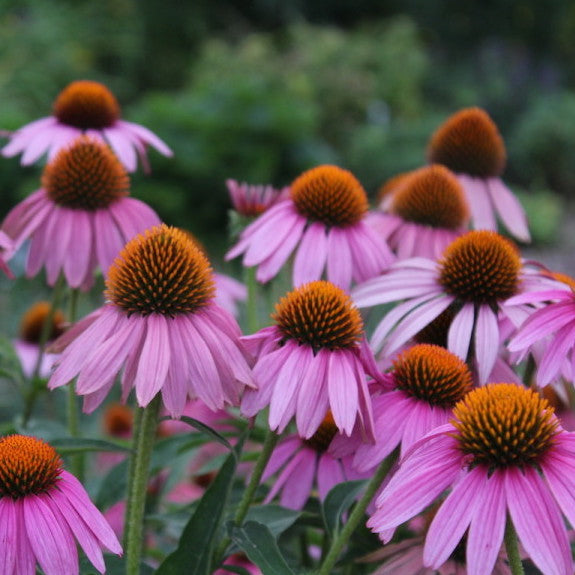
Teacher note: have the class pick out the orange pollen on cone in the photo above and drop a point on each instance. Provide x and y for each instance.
(161, 271)
(321, 315)
(433, 197)
(329, 195)
(33, 322)
(432, 374)
(85, 176)
(321, 439)
(504, 424)
(86, 105)
(469, 143)
(480, 267)
(27, 466)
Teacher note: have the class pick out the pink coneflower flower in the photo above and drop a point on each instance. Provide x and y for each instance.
(161, 325)
(305, 463)
(315, 358)
(503, 454)
(324, 222)
(84, 107)
(551, 327)
(251, 201)
(470, 145)
(45, 510)
(27, 346)
(425, 214)
(477, 273)
(81, 217)
(425, 384)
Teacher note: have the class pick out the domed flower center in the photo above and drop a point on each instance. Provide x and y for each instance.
(33, 321)
(393, 185)
(321, 439)
(432, 197)
(86, 105)
(329, 195)
(469, 143)
(432, 374)
(321, 315)
(85, 176)
(480, 267)
(503, 424)
(118, 420)
(161, 271)
(27, 466)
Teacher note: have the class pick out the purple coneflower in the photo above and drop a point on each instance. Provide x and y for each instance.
(45, 510)
(84, 107)
(477, 273)
(503, 454)
(81, 217)
(251, 201)
(424, 214)
(303, 463)
(470, 145)
(324, 221)
(161, 325)
(315, 358)
(425, 384)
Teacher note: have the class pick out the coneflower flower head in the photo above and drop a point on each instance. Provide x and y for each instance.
(250, 200)
(84, 107)
(469, 144)
(45, 509)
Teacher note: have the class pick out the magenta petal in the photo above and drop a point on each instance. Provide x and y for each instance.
(107, 238)
(76, 264)
(146, 136)
(300, 473)
(509, 209)
(486, 342)
(342, 390)
(311, 255)
(329, 474)
(281, 454)
(8, 536)
(460, 331)
(122, 147)
(339, 258)
(479, 202)
(559, 472)
(556, 352)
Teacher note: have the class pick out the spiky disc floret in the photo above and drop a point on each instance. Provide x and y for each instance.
(85, 176)
(503, 424)
(432, 374)
(87, 105)
(469, 143)
(480, 267)
(330, 195)
(321, 315)
(161, 271)
(431, 196)
(27, 466)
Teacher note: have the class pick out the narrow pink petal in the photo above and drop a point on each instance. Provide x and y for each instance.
(58, 232)
(146, 136)
(122, 146)
(297, 488)
(93, 400)
(370, 252)
(107, 239)
(23, 219)
(40, 243)
(339, 258)
(486, 342)
(509, 209)
(36, 147)
(154, 360)
(342, 390)
(453, 517)
(329, 474)
(51, 541)
(559, 472)
(460, 331)
(22, 137)
(281, 454)
(550, 365)
(8, 536)
(132, 217)
(175, 390)
(541, 296)
(479, 202)
(25, 557)
(311, 255)
(487, 527)
(77, 260)
(538, 522)
(133, 359)
(365, 411)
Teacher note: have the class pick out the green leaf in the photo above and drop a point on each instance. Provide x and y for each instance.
(261, 547)
(69, 445)
(114, 566)
(113, 487)
(203, 428)
(10, 367)
(194, 553)
(337, 502)
(276, 518)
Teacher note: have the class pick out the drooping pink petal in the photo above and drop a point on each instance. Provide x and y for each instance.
(22, 137)
(559, 472)
(461, 330)
(76, 263)
(107, 238)
(486, 341)
(329, 474)
(541, 296)
(479, 202)
(508, 208)
(146, 136)
(8, 535)
(301, 473)
(311, 255)
(370, 252)
(39, 250)
(556, 352)
(23, 219)
(342, 391)
(25, 557)
(281, 454)
(339, 258)
(122, 147)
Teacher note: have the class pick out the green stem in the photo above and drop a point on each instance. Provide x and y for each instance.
(143, 443)
(512, 548)
(252, 317)
(356, 515)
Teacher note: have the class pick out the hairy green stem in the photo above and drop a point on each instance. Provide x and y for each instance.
(145, 425)
(512, 548)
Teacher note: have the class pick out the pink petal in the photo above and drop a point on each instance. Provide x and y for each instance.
(509, 209)
(8, 536)
(329, 474)
(342, 390)
(486, 341)
(311, 255)
(300, 476)
(339, 258)
(479, 202)
(77, 261)
(556, 352)
(122, 146)
(146, 136)
(460, 331)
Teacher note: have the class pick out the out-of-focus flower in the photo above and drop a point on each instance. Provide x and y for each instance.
(250, 200)
(84, 107)
(6, 252)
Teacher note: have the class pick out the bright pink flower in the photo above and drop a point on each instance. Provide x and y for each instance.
(161, 328)
(81, 217)
(251, 201)
(315, 358)
(503, 454)
(470, 145)
(84, 107)
(476, 274)
(424, 213)
(324, 222)
(303, 464)
(44, 511)
(425, 384)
